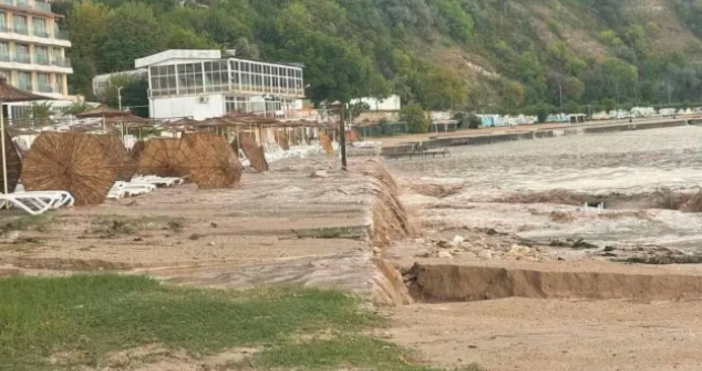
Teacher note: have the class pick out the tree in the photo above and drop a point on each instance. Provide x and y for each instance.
(414, 117)
(512, 93)
(335, 70)
(439, 89)
(134, 33)
(134, 93)
(76, 108)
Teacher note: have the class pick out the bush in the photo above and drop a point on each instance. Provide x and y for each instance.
(473, 122)
(414, 117)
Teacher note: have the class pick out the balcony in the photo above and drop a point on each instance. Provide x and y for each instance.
(40, 32)
(42, 59)
(61, 35)
(33, 5)
(22, 58)
(45, 88)
(25, 85)
(61, 62)
(21, 29)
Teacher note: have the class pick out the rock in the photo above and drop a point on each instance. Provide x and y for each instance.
(458, 239)
(445, 255)
(13, 236)
(211, 243)
(485, 254)
(446, 244)
(377, 250)
(518, 251)
(319, 174)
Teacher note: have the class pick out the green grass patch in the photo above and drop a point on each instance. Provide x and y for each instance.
(89, 316)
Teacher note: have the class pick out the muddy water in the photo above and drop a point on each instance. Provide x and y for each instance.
(519, 187)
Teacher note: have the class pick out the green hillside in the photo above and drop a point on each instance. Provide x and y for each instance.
(461, 54)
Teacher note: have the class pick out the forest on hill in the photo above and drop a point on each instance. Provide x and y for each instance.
(443, 54)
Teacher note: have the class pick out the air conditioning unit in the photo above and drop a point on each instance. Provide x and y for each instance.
(203, 100)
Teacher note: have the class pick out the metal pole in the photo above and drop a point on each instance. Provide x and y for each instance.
(4, 156)
(342, 137)
(119, 104)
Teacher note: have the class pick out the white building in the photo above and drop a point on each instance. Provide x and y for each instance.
(202, 84)
(391, 103)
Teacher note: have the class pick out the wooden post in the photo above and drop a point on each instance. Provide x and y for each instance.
(342, 137)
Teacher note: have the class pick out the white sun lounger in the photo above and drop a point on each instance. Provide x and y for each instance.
(55, 199)
(134, 188)
(159, 181)
(26, 201)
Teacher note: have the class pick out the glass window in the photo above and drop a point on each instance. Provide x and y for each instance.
(39, 27)
(20, 24)
(44, 82)
(163, 81)
(22, 53)
(41, 54)
(59, 83)
(190, 79)
(3, 22)
(5, 52)
(25, 81)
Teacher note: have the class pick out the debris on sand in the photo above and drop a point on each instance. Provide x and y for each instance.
(579, 244)
(437, 190)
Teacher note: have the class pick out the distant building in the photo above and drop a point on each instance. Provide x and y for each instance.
(203, 84)
(391, 103)
(33, 50)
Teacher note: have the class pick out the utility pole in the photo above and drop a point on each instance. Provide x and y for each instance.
(119, 97)
(119, 105)
(342, 137)
(670, 101)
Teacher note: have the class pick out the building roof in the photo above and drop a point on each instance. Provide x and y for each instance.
(177, 54)
(195, 54)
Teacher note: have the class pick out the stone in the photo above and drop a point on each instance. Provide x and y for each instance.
(445, 255)
(485, 254)
(446, 244)
(518, 250)
(377, 250)
(13, 236)
(319, 174)
(458, 239)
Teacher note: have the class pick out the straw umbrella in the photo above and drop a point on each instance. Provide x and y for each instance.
(9, 94)
(104, 112)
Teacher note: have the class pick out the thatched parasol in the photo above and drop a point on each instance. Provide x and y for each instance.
(136, 151)
(166, 157)
(254, 153)
(8, 94)
(212, 163)
(72, 162)
(121, 162)
(326, 144)
(13, 163)
(282, 139)
(102, 111)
